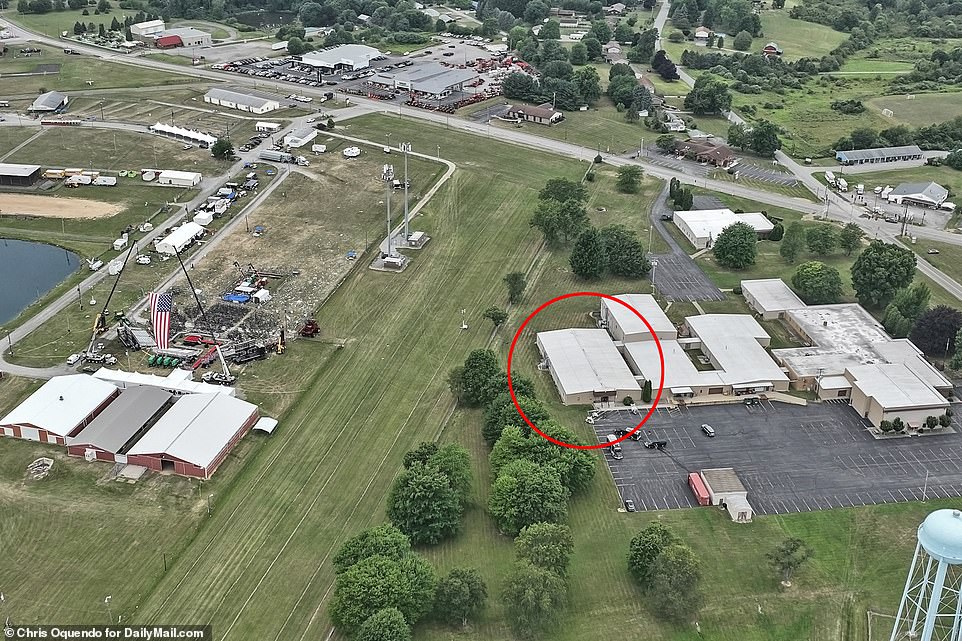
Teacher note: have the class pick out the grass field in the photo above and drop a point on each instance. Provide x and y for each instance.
(924, 109)
(53, 23)
(872, 65)
(10, 137)
(260, 566)
(797, 38)
(77, 72)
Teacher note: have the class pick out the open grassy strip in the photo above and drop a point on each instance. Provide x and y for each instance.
(798, 191)
(110, 150)
(924, 109)
(78, 72)
(54, 22)
(10, 137)
(630, 210)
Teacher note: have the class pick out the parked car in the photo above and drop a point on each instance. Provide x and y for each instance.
(630, 505)
(708, 430)
(933, 251)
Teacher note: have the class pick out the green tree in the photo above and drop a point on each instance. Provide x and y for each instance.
(620, 69)
(735, 246)
(550, 30)
(646, 392)
(547, 218)
(460, 596)
(377, 583)
(533, 598)
(383, 540)
(311, 14)
(589, 259)
(777, 233)
(954, 159)
(720, 43)
(535, 11)
(296, 46)
(623, 33)
(575, 467)
(709, 95)
(675, 592)
(956, 362)
(385, 625)
(788, 556)
(666, 142)
(742, 41)
(515, 282)
(421, 454)
(895, 323)
(423, 505)
(792, 242)
(626, 255)
(526, 493)
(594, 48)
(545, 545)
(644, 50)
(562, 189)
(222, 149)
(573, 218)
(850, 238)
(629, 178)
(496, 315)
(498, 385)
(737, 136)
(588, 81)
(684, 199)
(578, 55)
(935, 330)
(817, 283)
(763, 138)
(453, 461)
(601, 31)
(821, 239)
(478, 369)
(501, 413)
(644, 548)
(880, 271)
(907, 305)
(103, 6)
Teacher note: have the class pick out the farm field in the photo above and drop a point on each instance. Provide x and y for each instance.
(115, 151)
(76, 72)
(924, 109)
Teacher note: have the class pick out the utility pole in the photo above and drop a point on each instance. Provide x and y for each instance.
(388, 177)
(905, 218)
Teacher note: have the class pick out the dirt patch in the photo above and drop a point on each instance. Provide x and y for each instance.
(56, 207)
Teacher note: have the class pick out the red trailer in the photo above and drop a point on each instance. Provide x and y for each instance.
(698, 489)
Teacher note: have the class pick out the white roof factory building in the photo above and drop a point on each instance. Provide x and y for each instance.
(586, 366)
(109, 436)
(59, 409)
(770, 297)
(343, 57)
(431, 79)
(254, 102)
(625, 326)
(702, 226)
(173, 178)
(148, 28)
(195, 436)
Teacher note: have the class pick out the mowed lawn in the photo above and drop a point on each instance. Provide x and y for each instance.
(797, 38)
(10, 137)
(923, 109)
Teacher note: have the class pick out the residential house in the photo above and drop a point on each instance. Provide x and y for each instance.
(543, 114)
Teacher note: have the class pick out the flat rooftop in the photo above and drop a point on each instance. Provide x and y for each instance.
(895, 386)
(772, 294)
(734, 342)
(586, 360)
(721, 480)
(13, 169)
(646, 305)
(706, 223)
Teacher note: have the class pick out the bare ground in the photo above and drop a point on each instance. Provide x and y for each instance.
(56, 206)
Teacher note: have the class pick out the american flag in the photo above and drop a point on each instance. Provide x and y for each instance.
(160, 306)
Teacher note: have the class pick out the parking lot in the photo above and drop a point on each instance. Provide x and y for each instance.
(790, 458)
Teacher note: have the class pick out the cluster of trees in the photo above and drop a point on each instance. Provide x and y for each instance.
(730, 16)
(908, 304)
(762, 138)
(709, 95)
(428, 497)
(681, 197)
(752, 73)
(930, 19)
(614, 249)
(625, 91)
(663, 65)
(46, 6)
(946, 136)
(668, 571)
(932, 73)
(536, 591)
(821, 239)
(559, 84)
(561, 215)
(848, 106)
(383, 588)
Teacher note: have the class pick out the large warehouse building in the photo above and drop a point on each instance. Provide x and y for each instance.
(702, 226)
(146, 30)
(340, 58)
(182, 37)
(246, 100)
(195, 436)
(58, 410)
(586, 366)
(50, 102)
(109, 436)
(625, 326)
(879, 155)
(13, 175)
(431, 80)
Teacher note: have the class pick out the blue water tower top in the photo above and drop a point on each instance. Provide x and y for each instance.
(941, 535)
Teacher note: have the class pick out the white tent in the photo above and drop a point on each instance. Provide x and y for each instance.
(180, 238)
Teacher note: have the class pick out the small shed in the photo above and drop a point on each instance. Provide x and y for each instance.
(726, 489)
(204, 218)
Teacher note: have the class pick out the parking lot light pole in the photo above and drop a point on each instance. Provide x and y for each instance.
(209, 508)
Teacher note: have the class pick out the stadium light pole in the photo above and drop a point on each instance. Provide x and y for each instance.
(209, 509)
(406, 146)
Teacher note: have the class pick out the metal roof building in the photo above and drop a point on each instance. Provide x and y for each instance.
(350, 57)
(195, 436)
(702, 226)
(770, 297)
(59, 409)
(252, 101)
(879, 155)
(112, 433)
(923, 194)
(188, 36)
(174, 178)
(430, 79)
(15, 175)
(586, 366)
(624, 325)
(147, 28)
(50, 101)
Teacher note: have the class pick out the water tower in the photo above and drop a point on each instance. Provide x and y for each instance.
(931, 607)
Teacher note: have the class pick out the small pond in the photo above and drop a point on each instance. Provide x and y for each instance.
(28, 270)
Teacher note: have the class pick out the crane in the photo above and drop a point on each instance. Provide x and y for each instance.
(100, 322)
(218, 378)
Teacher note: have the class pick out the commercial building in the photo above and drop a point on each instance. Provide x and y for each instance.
(624, 325)
(770, 298)
(717, 155)
(878, 155)
(542, 115)
(247, 100)
(195, 436)
(142, 30)
(702, 226)
(430, 80)
(182, 37)
(173, 178)
(586, 366)
(183, 135)
(267, 127)
(13, 175)
(920, 194)
(726, 489)
(52, 101)
(340, 58)
(109, 436)
(59, 409)
(300, 137)
(884, 392)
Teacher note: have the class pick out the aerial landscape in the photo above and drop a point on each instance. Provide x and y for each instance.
(381, 320)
